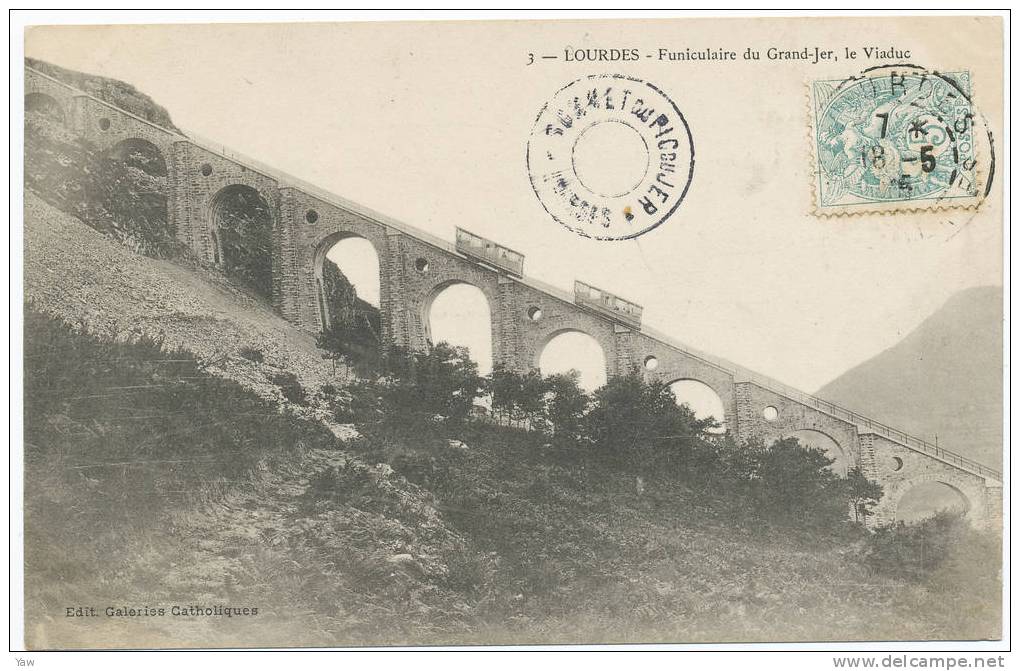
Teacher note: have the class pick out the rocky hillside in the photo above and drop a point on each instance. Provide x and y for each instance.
(943, 379)
(76, 275)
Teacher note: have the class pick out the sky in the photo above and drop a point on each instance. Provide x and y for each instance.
(430, 124)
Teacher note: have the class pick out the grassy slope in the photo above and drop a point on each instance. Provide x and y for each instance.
(527, 545)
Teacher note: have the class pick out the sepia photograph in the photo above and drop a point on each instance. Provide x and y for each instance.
(573, 331)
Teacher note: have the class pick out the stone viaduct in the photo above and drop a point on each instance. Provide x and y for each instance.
(525, 313)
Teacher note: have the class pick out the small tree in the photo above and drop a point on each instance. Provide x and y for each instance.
(505, 387)
(565, 404)
(531, 399)
(334, 345)
(863, 494)
(440, 383)
(517, 397)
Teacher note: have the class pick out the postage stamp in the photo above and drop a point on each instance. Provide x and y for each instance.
(610, 157)
(896, 138)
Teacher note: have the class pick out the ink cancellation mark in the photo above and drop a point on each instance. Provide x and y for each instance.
(610, 157)
(897, 138)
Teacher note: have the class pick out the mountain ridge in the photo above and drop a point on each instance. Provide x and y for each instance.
(942, 381)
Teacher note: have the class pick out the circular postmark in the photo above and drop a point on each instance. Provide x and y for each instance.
(610, 157)
(900, 134)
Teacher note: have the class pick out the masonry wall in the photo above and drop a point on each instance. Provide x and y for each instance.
(310, 227)
(635, 348)
(557, 316)
(899, 469)
(752, 400)
(427, 270)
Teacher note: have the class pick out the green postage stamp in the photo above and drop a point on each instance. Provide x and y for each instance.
(897, 138)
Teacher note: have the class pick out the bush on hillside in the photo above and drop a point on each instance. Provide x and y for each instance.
(565, 405)
(633, 420)
(150, 415)
(290, 387)
(517, 398)
(790, 484)
(252, 354)
(916, 551)
(795, 485)
(416, 393)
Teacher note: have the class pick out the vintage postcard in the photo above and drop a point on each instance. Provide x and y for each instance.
(513, 332)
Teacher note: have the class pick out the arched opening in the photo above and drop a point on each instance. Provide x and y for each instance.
(137, 172)
(927, 498)
(42, 105)
(348, 292)
(817, 440)
(141, 155)
(574, 350)
(459, 314)
(702, 400)
(242, 229)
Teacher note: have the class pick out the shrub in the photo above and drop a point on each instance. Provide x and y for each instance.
(360, 401)
(439, 385)
(100, 405)
(252, 354)
(794, 484)
(565, 405)
(517, 397)
(289, 385)
(915, 551)
(636, 420)
(788, 484)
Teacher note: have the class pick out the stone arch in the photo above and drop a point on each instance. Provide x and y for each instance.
(142, 154)
(146, 169)
(970, 498)
(707, 397)
(46, 104)
(812, 437)
(319, 258)
(593, 378)
(483, 346)
(241, 222)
